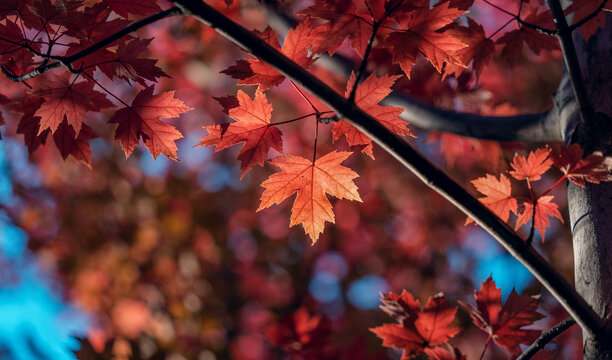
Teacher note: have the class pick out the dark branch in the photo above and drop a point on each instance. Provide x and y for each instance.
(540, 127)
(587, 112)
(545, 338)
(590, 16)
(406, 155)
(66, 61)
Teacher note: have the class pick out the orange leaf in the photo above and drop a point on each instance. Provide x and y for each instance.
(533, 167)
(257, 72)
(498, 195)
(544, 209)
(367, 96)
(423, 36)
(311, 181)
(252, 127)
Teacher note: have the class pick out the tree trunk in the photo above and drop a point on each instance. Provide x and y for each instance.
(590, 208)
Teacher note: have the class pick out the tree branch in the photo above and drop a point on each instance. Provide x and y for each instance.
(406, 155)
(539, 127)
(66, 61)
(545, 338)
(564, 34)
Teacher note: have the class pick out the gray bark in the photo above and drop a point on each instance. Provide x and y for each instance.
(590, 207)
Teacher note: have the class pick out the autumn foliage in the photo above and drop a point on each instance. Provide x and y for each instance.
(141, 88)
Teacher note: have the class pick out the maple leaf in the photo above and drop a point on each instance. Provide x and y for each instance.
(252, 127)
(344, 18)
(60, 12)
(68, 143)
(498, 195)
(141, 120)
(30, 124)
(68, 100)
(533, 167)
(578, 169)
(480, 49)
(367, 96)
(126, 63)
(92, 24)
(505, 323)
(543, 210)
(312, 181)
(257, 72)
(422, 35)
(136, 7)
(513, 40)
(310, 332)
(418, 329)
(583, 9)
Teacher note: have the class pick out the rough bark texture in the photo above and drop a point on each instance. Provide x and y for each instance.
(590, 207)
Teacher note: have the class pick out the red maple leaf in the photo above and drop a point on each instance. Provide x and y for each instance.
(578, 169)
(421, 34)
(92, 24)
(128, 65)
(30, 124)
(136, 7)
(480, 49)
(310, 332)
(312, 181)
(532, 167)
(344, 18)
(141, 120)
(65, 99)
(257, 72)
(583, 9)
(252, 127)
(498, 195)
(77, 146)
(543, 210)
(367, 96)
(418, 328)
(514, 40)
(504, 324)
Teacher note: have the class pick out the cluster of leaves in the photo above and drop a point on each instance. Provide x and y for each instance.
(537, 209)
(37, 32)
(430, 328)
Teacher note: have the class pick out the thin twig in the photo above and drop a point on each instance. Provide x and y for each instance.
(407, 156)
(66, 61)
(590, 16)
(521, 21)
(545, 338)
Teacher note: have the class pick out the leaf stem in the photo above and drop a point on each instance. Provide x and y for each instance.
(485, 347)
(107, 91)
